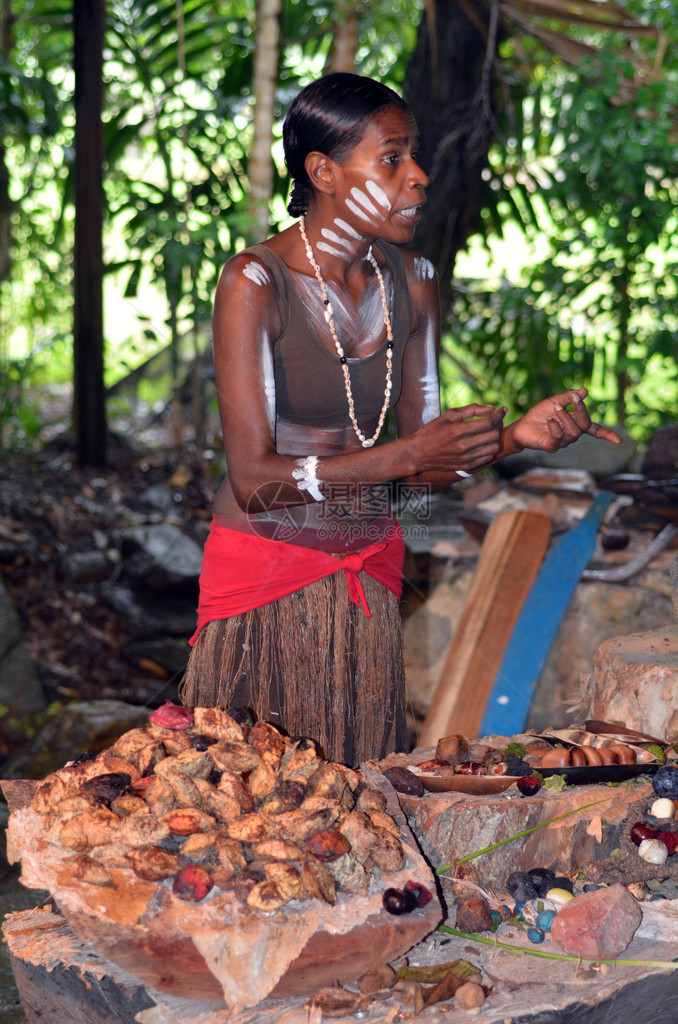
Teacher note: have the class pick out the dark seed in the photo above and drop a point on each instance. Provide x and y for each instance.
(201, 742)
(405, 781)
(420, 892)
(86, 755)
(665, 782)
(520, 886)
(642, 830)
(399, 901)
(108, 786)
(542, 879)
(243, 716)
(528, 785)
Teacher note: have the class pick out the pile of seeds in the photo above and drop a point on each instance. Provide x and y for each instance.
(200, 799)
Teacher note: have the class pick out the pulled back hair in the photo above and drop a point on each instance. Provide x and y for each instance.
(329, 116)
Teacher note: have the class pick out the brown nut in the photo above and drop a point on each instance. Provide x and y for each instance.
(578, 757)
(593, 758)
(624, 754)
(558, 757)
(328, 844)
(607, 755)
(452, 749)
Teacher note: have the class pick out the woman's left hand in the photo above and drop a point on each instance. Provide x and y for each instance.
(550, 425)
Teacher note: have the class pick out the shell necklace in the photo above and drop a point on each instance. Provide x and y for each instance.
(366, 442)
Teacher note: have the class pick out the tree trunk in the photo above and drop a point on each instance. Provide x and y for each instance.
(345, 38)
(263, 87)
(5, 201)
(89, 410)
(449, 86)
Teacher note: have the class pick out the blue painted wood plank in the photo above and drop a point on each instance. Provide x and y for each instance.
(509, 702)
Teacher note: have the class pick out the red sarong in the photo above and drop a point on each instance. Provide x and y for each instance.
(241, 571)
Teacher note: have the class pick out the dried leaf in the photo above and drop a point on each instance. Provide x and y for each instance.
(595, 828)
(462, 969)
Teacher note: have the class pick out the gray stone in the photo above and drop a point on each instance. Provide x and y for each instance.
(161, 556)
(82, 726)
(20, 689)
(86, 567)
(153, 615)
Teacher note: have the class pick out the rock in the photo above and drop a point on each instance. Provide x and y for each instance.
(660, 461)
(470, 995)
(78, 727)
(597, 612)
(474, 915)
(86, 567)
(20, 689)
(161, 556)
(452, 825)
(151, 614)
(634, 681)
(597, 925)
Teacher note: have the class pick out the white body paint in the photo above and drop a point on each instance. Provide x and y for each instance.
(423, 268)
(332, 236)
(269, 386)
(255, 272)
(362, 206)
(342, 225)
(306, 474)
(378, 194)
(325, 247)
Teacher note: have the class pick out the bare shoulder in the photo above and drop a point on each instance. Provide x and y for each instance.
(420, 272)
(244, 274)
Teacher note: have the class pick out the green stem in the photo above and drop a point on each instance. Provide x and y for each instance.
(556, 956)
(518, 835)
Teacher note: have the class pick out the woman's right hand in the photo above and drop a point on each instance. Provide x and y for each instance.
(463, 439)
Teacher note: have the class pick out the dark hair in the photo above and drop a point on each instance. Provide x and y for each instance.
(328, 116)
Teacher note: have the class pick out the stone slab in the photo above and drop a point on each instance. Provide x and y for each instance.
(62, 979)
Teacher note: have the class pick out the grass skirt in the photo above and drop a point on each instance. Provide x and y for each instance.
(312, 664)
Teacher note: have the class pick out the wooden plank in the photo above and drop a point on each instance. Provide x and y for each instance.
(513, 689)
(512, 551)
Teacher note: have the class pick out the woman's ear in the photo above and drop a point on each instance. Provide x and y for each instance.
(320, 169)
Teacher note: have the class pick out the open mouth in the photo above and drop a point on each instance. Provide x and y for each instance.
(411, 212)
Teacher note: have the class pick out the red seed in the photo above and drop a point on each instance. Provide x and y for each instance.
(528, 785)
(642, 830)
(192, 883)
(172, 716)
(420, 893)
(670, 840)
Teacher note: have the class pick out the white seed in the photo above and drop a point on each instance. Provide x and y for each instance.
(558, 898)
(663, 808)
(653, 851)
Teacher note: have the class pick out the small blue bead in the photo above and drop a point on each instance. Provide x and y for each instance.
(545, 920)
(535, 935)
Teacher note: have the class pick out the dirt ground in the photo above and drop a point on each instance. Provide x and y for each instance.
(50, 507)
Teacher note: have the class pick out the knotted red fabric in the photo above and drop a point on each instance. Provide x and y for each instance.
(241, 571)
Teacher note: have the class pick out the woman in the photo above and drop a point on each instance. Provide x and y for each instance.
(317, 332)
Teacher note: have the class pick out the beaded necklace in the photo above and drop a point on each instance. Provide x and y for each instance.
(366, 442)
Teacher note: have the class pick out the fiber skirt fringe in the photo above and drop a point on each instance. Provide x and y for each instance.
(312, 664)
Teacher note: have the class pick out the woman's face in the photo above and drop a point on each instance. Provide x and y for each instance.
(379, 186)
